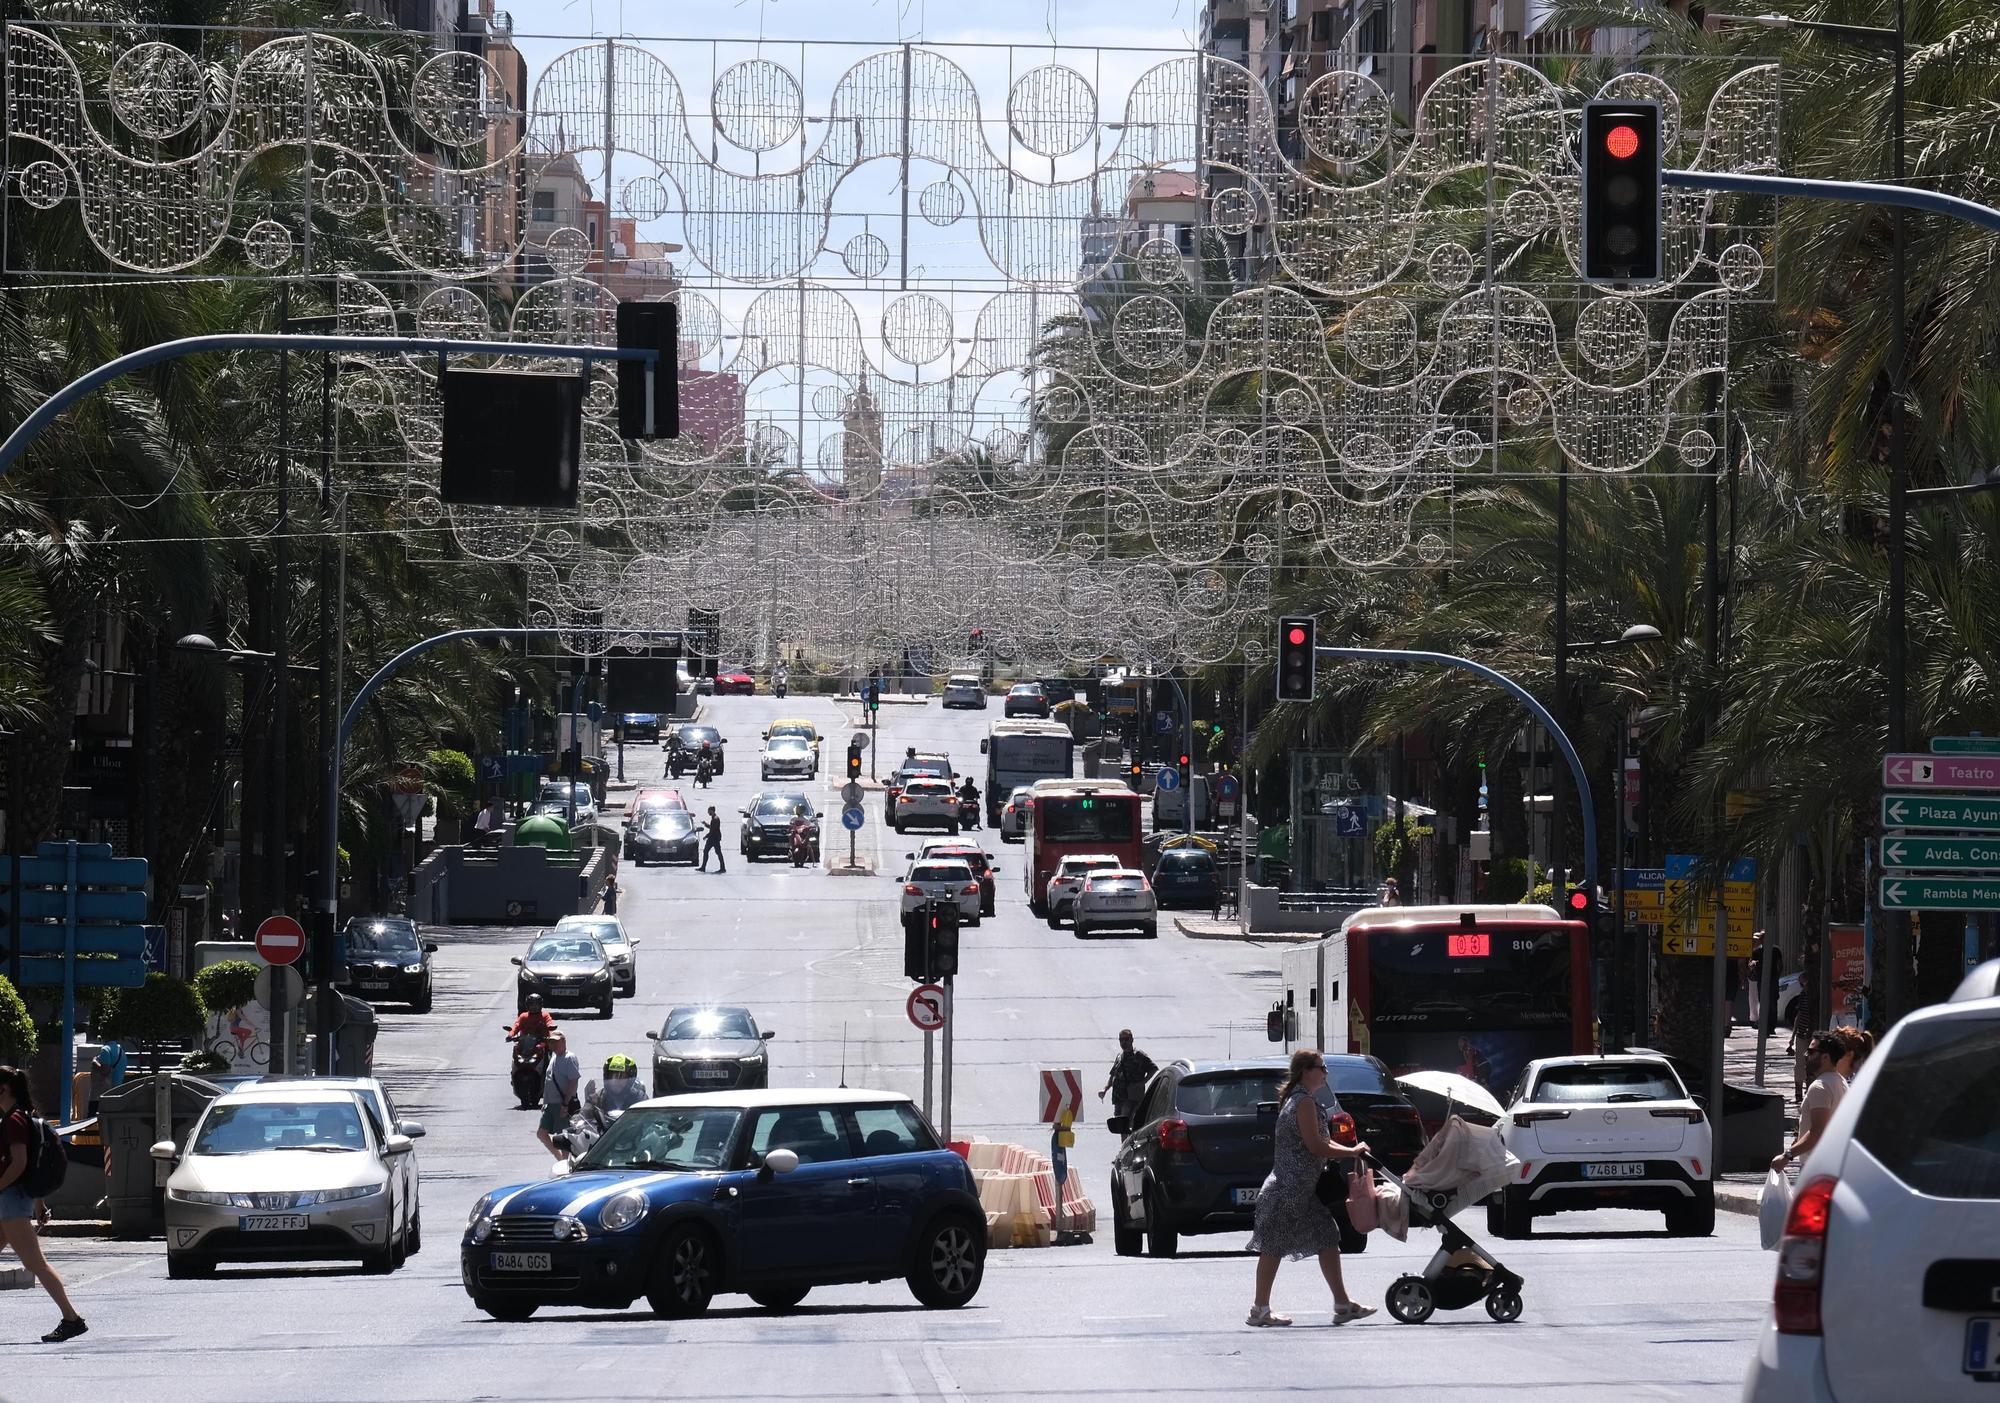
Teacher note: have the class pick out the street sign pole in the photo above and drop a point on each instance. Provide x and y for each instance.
(944, 1091)
(928, 1036)
(1719, 1030)
(68, 980)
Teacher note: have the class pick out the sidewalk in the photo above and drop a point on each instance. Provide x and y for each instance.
(1738, 1193)
(1199, 927)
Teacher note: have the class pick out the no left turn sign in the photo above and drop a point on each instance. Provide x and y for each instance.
(926, 1007)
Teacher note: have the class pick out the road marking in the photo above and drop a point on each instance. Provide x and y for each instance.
(934, 1361)
(115, 1271)
(1116, 1319)
(899, 1380)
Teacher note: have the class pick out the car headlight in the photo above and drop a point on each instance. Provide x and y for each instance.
(413, 969)
(479, 1208)
(600, 976)
(200, 1196)
(482, 1227)
(568, 1229)
(621, 959)
(622, 1211)
(527, 977)
(307, 1200)
(755, 1059)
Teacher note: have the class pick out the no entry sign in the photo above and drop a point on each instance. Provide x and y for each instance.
(281, 940)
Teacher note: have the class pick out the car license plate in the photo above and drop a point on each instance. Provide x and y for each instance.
(1633, 1170)
(372, 986)
(520, 1261)
(705, 1075)
(1243, 1198)
(284, 1222)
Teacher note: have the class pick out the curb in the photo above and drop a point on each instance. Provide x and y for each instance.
(841, 869)
(1208, 931)
(1733, 1200)
(887, 699)
(15, 1279)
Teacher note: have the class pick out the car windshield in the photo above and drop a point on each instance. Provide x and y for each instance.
(961, 679)
(695, 735)
(250, 1127)
(557, 789)
(971, 857)
(793, 745)
(941, 872)
(692, 1025)
(784, 806)
(1077, 866)
(667, 823)
(1026, 689)
(1228, 1093)
(1609, 1081)
(566, 948)
(382, 938)
(931, 788)
(662, 1137)
(607, 931)
(1021, 794)
(794, 728)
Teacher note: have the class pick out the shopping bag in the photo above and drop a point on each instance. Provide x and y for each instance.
(1774, 1205)
(1361, 1201)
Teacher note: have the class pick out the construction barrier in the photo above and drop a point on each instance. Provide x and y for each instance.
(1017, 1188)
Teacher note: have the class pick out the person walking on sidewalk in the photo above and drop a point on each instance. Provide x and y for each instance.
(1821, 1099)
(1291, 1221)
(20, 1216)
(1130, 1070)
(1754, 967)
(713, 842)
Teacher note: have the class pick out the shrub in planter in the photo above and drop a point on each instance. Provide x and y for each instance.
(229, 984)
(454, 782)
(161, 1009)
(17, 1030)
(201, 1061)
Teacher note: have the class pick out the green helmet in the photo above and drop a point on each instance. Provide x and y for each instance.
(619, 1065)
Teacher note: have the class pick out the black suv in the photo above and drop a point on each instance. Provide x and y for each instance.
(684, 743)
(1198, 1148)
(388, 962)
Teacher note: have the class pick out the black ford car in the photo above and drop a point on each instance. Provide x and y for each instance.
(388, 962)
(1198, 1148)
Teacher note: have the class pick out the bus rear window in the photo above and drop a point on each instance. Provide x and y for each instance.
(1087, 819)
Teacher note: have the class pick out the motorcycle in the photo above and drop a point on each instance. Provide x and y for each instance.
(704, 770)
(968, 811)
(585, 1128)
(804, 843)
(677, 762)
(778, 688)
(530, 1067)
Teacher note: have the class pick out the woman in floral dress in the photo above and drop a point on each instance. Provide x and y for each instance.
(1291, 1221)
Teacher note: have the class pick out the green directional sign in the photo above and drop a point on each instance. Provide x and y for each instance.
(1965, 745)
(1940, 893)
(1957, 854)
(1948, 811)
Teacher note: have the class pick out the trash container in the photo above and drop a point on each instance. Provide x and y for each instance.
(1752, 1128)
(125, 1120)
(354, 1040)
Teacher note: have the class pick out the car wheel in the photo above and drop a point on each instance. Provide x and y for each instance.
(632, 989)
(1410, 1301)
(1079, 930)
(1126, 1240)
(1055, 921)
(781, 1296)
(1695, 1218)
(422, 1003)
(604, 1009)
(952, 828)
(660, 1087)
(1516, 1218)
(416, 1243)
(506, 1310)
(379, 1263)
(1161, 1239)
(949, 1262)
(899, 828)
(1150, 932)
(189, 1266)
(682, 1281)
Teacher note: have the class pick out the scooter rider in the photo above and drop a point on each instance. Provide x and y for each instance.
(621, 1090)
(533, 1024)
(968, 799)
(704, 768)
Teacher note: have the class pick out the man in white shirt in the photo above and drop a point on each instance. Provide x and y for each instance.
(1822, 1095)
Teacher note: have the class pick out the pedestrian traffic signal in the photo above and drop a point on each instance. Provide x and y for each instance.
(1296, 658)
(944, 939)
(854, 762)
(1621, 192)
(649, 391)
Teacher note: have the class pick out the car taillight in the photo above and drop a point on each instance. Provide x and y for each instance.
(1408, 1113)
(970, 889)
(1530, 1117)
(903, 799)
(1802, 1259)
(1691, 1114)
(1174, 1136)
(1342, 1129)
(912, 889)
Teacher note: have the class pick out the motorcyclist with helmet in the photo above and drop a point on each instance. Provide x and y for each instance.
(968, 803)
(621, 1090)
(530, 1034)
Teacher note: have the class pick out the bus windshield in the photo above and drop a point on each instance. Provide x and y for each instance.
(1088, 818)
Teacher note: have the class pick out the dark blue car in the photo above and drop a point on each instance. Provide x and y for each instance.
(765, 1192)
(1185, 877)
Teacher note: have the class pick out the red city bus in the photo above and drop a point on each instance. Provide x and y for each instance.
(1479, 990)
(1079, 816)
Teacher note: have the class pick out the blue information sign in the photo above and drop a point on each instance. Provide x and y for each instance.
(1168, 780)
(851, 818)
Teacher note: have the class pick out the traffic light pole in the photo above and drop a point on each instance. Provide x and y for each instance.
(944, 1091)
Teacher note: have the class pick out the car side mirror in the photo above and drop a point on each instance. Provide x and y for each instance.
(397, 1145)
(982, 747)
(781, 1161)
(430, 947)
(1118, 1125)
(766, 1034)
(166, 1152)
(410, 1129)
(1701, 1101)
(514, 959)
(652, 1035)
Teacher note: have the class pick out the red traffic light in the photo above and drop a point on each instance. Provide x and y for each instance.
(1579, 901)
(1622, 142)
(1184, 759)
(1295, 635)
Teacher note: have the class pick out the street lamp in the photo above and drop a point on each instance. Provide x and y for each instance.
(1896, 971)
(203, 644)
(1982, 480)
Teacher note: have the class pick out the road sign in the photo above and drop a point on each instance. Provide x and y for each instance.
(280, 940)
(1941, 772)
(1955, 853)
(1646, 895)
(852, 817)
(1168, 780)
(1965, 745)
(1689, 906)
(1941, 811)
(1940, 893)
(858, 741)
(1163, 723)
(1739, 945)
(1226, 786)
(926, 1008)
(1062, 1094)
(295, 987)
(850, 793)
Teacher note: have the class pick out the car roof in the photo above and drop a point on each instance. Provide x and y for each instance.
(794, 721)
(1118, 872)
(1196, 1066)
(709, 1008)
(781, 1096)
(281, 1083)
(312, 1091)
(1592, 1059)
(1111, 858)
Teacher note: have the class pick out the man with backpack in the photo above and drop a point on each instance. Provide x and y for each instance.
(32, 1165)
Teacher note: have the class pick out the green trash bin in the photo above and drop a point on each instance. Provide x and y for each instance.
(135, 1204)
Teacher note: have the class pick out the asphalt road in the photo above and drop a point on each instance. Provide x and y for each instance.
(1614, 1309)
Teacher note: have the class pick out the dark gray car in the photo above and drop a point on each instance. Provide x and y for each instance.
(709, 1047)
(566, 968)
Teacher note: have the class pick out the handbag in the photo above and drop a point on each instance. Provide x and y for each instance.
(1361, 1202)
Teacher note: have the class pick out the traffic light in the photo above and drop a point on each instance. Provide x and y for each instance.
(1185, 764)
(649, 394)
(1580, 904)
(874, 696)
(853, 761)
(1136, 770)
(917, 945)
(1295, 658)
(944, 939)
(1620, 158)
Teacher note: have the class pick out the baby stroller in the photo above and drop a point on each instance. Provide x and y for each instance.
(1457, 1167)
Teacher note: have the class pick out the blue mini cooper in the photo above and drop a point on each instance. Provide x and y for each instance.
(765, 1192)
